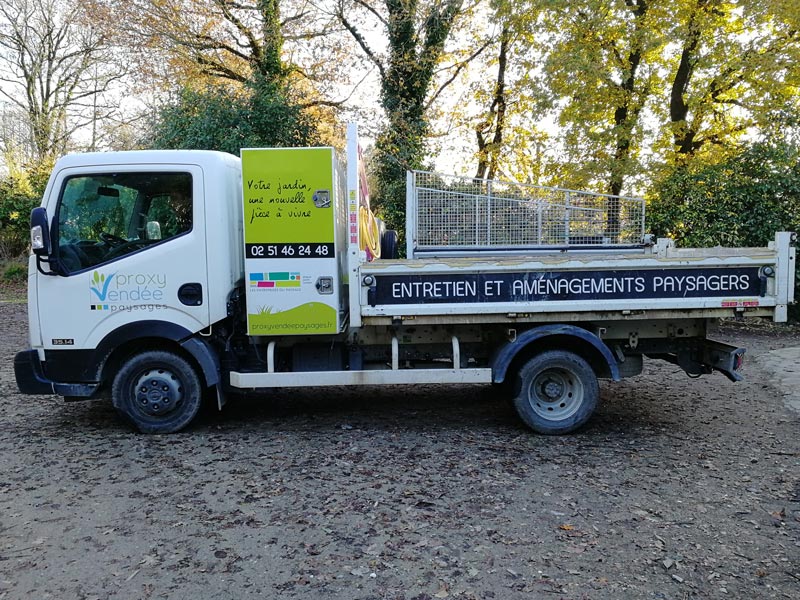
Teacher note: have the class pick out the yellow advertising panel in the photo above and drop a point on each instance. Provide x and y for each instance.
(289, 195)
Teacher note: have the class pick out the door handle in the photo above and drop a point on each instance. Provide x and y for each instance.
(191, 294)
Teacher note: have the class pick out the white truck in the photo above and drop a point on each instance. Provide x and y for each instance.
(162, 278)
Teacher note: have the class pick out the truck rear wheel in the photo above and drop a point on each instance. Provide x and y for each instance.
(157, 392)
(556, 392)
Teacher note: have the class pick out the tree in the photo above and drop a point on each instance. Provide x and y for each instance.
(226, 119)
(223, 39)
(597, 76)
(242, 48)
(737, 63)
(15, 134)
(600, 75)
(498, 101)
(573, 82)
(633, 85)
(291, 44)
(416, 34)
(56, 65)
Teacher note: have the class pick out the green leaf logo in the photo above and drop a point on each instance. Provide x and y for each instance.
(100, 287)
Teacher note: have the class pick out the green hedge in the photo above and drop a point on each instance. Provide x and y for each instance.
(741, 201)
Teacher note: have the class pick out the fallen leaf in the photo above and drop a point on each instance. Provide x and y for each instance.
(149, 560)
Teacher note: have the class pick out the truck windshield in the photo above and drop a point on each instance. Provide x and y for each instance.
(102, 217)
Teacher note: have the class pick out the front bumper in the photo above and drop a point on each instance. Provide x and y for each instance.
(29, 373)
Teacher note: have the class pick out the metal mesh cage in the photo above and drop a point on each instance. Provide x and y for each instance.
(465, 213)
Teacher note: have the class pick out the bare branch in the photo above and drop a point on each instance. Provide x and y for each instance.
(361, 41)
(370, 8)
(335, 103)
(460, 66)
(254, 44)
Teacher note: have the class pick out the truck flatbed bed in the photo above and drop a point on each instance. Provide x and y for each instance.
(716, 281)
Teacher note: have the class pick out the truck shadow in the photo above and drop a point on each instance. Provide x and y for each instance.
(623, 408)
(636, 407)
(423, 407)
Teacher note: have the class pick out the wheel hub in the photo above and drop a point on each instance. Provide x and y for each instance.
(158, 392)
(553, 390)
(556, 393)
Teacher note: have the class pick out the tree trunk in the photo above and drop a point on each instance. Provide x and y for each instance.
(626, 116)
(489, 152)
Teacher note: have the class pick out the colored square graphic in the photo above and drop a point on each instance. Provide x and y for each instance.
(275, 279)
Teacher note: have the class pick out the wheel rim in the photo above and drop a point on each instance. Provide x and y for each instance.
(158, 392)
(556, 394)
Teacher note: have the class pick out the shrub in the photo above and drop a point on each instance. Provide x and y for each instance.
(741, 201)
(15, 272)
(16, 204)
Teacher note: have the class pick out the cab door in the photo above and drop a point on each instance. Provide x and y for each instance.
(128, 247)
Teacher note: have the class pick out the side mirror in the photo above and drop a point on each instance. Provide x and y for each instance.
(40, 232)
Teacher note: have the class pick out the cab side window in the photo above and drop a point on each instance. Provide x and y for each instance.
(102, 217)
(172, 212)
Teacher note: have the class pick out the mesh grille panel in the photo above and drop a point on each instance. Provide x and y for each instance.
(465, 212)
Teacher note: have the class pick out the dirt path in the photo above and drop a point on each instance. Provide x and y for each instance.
(678, 488)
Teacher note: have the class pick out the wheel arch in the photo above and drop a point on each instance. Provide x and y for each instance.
(511, 356)
(119, 345)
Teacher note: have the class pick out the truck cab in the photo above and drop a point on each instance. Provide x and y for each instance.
(135, 241)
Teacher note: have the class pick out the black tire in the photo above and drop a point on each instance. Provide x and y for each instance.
(556, 392)
(389, 247)
(157, 392)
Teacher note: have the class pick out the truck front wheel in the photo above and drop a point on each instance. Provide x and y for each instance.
(157, 392)
(556, 392)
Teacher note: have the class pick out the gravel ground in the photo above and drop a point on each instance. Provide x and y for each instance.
(678, 488)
